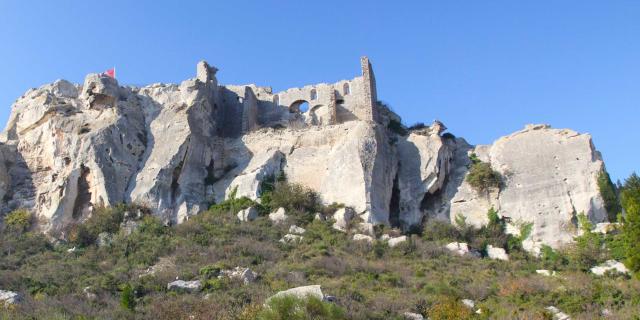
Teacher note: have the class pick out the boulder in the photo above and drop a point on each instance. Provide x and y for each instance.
(459, 248)
(362, 237)
(545, 272)
(606, 227)
(248, 214)
(185, 286)
(557, 314)
(104, 239)
(412, 316)
(291, 238)
(245, 275)
(342, 218)
(496, 253)
(278, 216)
(610, 266)
(10, 297)
(301, 292)
(396, 241)
(469, 303)
(365, 228)
(293, 229)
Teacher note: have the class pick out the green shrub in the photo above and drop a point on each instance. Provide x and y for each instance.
(448, 309)
(482, 177)
(299, 201)
(609, 195)
(102, 219)
(397, 127)
(210, 271)
(127, 298)
(436, 230)
(587, 250)
(18, 220)
(292, 308)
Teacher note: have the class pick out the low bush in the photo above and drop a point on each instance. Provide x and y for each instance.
(482, 177)
(18, 220)
(447, 308)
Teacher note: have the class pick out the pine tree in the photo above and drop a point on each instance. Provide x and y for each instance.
(630, 197)
(127, 298)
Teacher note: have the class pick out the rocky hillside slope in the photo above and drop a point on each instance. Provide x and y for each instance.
(176, 149)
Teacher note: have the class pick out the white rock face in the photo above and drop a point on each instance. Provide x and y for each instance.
(9, 297)
(301, 292)
(362, 237)
(278, 216)
(548, 175)
(178, 148)
(186, 286)
(497, 253)
(545, 272)
(469, 303)
(610, 266)
(248, 214)
(423, 166)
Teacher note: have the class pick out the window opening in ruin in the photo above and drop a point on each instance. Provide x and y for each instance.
(345, 89)
(313, 95)
(276, 100)
(299, 106)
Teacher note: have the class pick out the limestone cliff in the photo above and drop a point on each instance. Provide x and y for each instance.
(178, 148)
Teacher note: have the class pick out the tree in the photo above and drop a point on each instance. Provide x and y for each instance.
(630, 197)
(608, 193)
(18, 220)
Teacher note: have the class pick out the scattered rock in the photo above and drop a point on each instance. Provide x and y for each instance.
(362, 237)
(89, 294)
(610, 266)
(301, 292)
(545, 272)
(129, 226)
(248, 214)
(10, 297)
(557, 314)
(365, 228)
(460, 248)
(385, 237)
(291, 238)
(606, 227)
(342, 218)
(185, 286)
(469, 303)
(296, 230)
(319, 216)
(497, 253)
(104, 239)
(72, 250)
(278, 216)
(412, 316)
(245, 275)
(396, 241)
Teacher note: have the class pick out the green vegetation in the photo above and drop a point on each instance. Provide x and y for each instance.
(630, 197)
(370, 281)
(292, 308)
(397, 127)
(481, 176)
(18, 221)
(609, 195)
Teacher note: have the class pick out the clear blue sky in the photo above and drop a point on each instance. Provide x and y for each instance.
(484, 68)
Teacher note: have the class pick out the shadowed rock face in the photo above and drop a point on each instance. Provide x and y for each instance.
(177, 148)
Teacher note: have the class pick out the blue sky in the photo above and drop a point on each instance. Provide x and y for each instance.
(484, 68)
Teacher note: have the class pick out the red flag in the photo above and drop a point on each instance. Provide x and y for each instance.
(110, 73)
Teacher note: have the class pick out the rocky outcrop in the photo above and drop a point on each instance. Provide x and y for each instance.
(177, 148)
(185, 286)
(549, 177)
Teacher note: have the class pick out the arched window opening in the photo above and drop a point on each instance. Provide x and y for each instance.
(299, 106)
(313, 95)
(345, 89)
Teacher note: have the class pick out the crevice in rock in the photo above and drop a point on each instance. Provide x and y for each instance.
(394, 204)
(83, 197)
